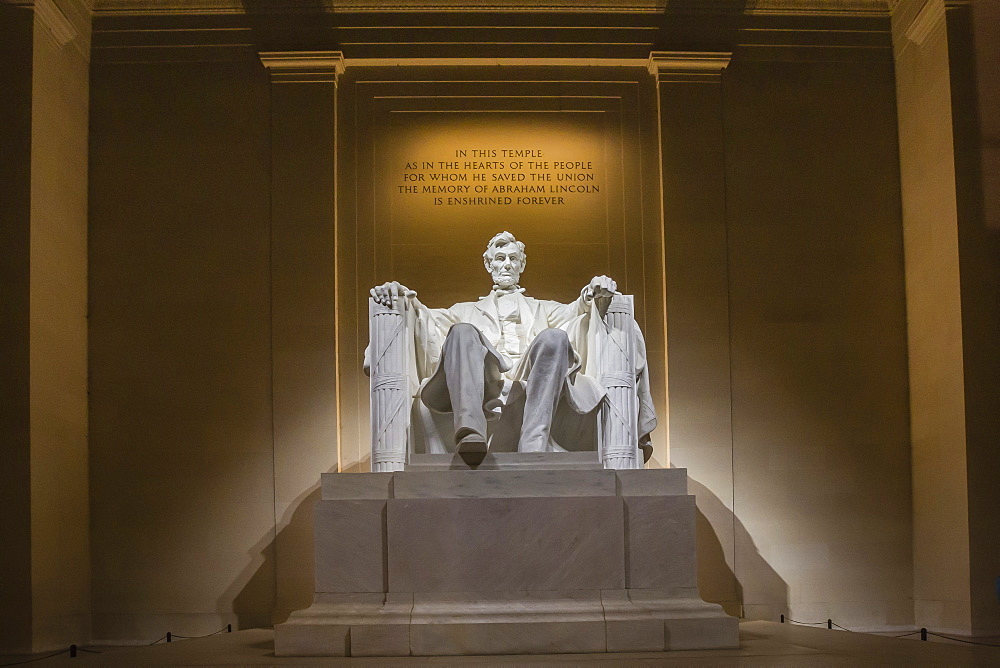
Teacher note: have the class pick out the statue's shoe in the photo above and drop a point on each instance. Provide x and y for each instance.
(472, 444)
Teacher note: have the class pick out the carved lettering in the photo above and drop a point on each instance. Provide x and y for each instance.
(523, 171)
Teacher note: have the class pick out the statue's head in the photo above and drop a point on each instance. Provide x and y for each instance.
(505, 259)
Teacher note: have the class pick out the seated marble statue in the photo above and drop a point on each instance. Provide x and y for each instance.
(519, 363)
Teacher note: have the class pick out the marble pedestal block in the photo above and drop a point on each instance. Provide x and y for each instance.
(505, 562)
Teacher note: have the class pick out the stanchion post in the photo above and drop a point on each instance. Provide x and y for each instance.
(229, 628)
(168, 636)
(829, 624)
(72, 651)
(923, 634)
(782, 618)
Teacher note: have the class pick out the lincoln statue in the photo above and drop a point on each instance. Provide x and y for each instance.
(517, 362)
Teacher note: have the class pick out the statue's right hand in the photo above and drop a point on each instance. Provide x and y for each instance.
(386, 293)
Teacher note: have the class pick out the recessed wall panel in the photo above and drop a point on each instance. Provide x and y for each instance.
(453, 180)
(442, 161)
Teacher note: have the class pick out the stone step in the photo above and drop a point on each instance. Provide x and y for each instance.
(491, 483)
(503, 461)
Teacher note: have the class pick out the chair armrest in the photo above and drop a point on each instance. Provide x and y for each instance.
(619, 412)
(388, 359)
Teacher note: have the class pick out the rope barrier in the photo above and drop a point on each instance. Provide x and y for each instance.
(225, 629)
(923, 632)
(72, 649)
(968, 642)
(37, 658)
(795, 621)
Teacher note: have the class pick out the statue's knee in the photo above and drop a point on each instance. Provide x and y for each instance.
(462, 331)
(552, 339)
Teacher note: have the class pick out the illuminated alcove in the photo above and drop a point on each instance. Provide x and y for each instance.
(565, 159)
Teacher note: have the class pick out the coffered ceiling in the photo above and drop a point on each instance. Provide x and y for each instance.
(151, 30)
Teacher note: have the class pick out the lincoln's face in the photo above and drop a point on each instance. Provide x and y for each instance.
(505, 265)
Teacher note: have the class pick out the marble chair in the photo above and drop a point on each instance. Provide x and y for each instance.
(401, 426)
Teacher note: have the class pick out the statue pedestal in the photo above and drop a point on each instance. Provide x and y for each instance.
(505, 562)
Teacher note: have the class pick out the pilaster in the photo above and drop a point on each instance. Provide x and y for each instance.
(303, 297)
(692, 149)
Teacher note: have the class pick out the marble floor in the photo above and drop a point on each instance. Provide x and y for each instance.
(761, 644)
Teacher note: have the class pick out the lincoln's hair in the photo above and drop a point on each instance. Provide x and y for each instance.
(498, 242)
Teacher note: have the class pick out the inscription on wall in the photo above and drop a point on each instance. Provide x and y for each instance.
(458, 178)
(499, 177)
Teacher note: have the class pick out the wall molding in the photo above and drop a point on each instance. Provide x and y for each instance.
(303, 66)
(688, 66)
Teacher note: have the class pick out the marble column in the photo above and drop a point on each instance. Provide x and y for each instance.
(303, 297)
(692, 150)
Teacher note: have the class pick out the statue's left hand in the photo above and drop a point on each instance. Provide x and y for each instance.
(600, 286)
(386, 293)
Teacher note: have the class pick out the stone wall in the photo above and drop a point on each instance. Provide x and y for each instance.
(45, 591)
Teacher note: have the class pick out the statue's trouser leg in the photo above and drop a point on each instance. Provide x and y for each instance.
(549, 357)
(464, 357)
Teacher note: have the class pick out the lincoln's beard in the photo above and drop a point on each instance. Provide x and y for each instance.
(504, 279)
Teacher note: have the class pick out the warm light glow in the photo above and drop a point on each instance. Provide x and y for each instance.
(453, 180)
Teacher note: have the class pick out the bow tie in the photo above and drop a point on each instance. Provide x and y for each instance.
(500, 292)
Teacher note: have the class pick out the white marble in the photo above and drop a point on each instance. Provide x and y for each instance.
(361, 608)
(513, 346)
(370, 624)
(516, 622)
(660, 542)
(635, 635)
(390, 394)
(501, 484)
(505, 562)
(507, 638)
(686, 622)
(652, 482)
(506, 461)
(506, 544)
(577, 605)
(380, 640)
(349, 544)
(354, 486)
